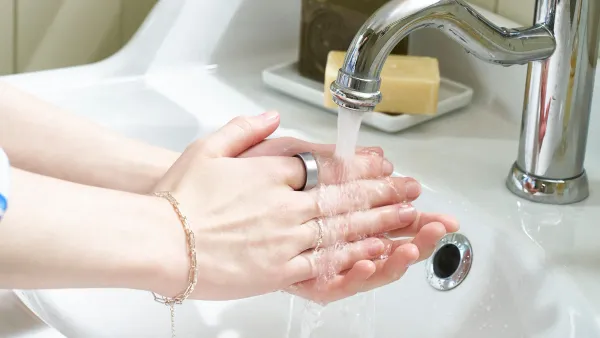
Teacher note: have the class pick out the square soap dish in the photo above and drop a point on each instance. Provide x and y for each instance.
(286, 79)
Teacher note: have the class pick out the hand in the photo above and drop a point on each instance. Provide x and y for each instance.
(254, 233)
(427, 229)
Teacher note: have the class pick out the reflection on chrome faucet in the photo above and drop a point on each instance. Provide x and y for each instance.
(562, 51)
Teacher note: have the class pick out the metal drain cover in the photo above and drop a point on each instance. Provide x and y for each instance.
(450, 263)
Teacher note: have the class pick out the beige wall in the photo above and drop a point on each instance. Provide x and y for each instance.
(42, 34)
(520, 11)
(6, 36)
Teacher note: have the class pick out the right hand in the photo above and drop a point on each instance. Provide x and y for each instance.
(255, 233)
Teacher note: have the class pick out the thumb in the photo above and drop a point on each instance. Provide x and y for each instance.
(240, 134)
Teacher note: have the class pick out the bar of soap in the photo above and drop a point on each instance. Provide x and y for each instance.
(409, 84)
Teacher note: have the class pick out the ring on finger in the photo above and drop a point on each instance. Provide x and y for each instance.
(311, 170)
(320, 227)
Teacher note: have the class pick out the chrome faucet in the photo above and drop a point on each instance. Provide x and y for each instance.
(562, 51)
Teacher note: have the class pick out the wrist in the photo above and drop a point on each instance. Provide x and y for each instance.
(167, 263)
(150, 168)
(147, 256)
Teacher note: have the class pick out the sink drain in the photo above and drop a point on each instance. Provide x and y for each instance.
(450, 263)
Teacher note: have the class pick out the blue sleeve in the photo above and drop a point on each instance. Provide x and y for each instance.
(4, 182)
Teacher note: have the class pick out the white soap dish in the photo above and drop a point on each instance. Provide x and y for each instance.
(286, 78)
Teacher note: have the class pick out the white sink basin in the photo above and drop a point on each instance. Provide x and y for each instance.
(133, 108)
(511, 291)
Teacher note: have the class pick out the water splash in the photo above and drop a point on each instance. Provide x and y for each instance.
(359, 311)
(288, 330)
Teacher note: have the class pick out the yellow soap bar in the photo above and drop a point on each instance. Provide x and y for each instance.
(409, 84)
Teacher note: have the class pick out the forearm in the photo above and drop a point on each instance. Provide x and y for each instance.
(59, 234)
(44, 139)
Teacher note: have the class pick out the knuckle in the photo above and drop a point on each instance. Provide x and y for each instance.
(288, 142)
(243, 123)
(344, 229)
(393, 191)
(287, 139)
(383, 219)
(306, 205)
(290, 146)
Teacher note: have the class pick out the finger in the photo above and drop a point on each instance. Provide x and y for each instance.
(341, 286)
(364, 194)
(289, 146)
(450, 223)
(238, 135)
(386, 271)
(392, 268)
(402, 254)
(357, 225)
(291, 171)
(352, 282)
(425, 240)
(365, 165)
(288, 171)
(331, 261)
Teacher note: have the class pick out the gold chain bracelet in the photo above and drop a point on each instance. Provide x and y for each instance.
(193, 272)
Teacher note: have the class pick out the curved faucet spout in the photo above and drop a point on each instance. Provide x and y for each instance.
(358, 81)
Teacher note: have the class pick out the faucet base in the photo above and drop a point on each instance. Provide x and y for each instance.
(545, 190)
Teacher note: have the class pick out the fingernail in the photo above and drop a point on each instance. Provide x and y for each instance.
(375, 247)
(270, 116)
(413, 189)
(388, 167)
(451, 223)
(407, 214)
